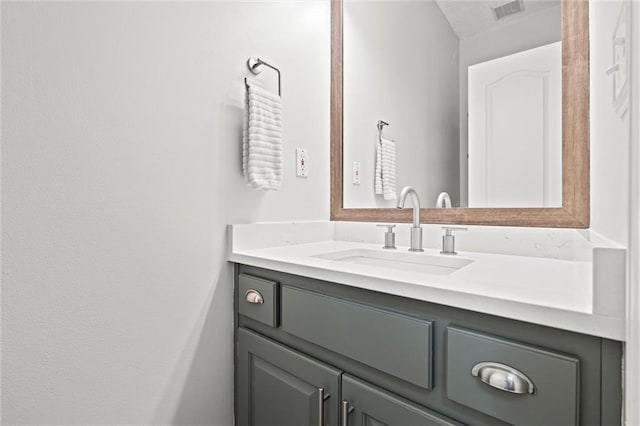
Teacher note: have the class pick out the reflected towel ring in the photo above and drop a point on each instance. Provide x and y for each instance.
(380, 126)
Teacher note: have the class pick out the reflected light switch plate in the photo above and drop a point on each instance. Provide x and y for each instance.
(356, 172)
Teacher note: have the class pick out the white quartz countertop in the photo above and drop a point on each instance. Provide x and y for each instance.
(553, 292)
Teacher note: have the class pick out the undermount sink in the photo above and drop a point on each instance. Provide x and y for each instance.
(402, 260)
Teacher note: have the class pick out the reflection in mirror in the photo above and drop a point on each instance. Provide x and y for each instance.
(472, 95)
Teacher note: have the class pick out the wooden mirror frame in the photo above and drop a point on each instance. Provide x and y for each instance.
(574, 212)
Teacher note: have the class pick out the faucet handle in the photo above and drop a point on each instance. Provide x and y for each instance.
(449, 240)
(449, 229)
(389, 237)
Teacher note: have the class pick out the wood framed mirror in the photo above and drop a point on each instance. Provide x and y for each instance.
(574, 210)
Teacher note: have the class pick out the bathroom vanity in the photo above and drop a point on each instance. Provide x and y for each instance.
(315, 352)
(323, 341)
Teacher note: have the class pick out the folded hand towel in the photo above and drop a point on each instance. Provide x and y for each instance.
(262, 139)
(378, 175)
(385, 174)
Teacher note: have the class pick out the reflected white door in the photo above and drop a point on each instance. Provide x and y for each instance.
(515, 130)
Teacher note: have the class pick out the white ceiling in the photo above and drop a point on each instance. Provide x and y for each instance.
(470, 17)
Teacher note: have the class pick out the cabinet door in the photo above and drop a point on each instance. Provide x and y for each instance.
(366, 405)
(277, 386)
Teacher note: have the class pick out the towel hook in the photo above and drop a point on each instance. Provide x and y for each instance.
(254, 65)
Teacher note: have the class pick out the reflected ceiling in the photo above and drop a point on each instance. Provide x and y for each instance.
(468, 18)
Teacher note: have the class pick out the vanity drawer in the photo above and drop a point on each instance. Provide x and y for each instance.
(258, 299)
(554, 376)
(395, 344)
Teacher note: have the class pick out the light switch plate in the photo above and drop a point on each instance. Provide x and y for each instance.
(302, 162)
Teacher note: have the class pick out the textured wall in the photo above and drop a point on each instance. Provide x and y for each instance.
(121, 167)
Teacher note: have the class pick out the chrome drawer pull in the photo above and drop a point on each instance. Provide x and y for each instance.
(254, 296)
(503, 377)
(322, 397)
(346, 410)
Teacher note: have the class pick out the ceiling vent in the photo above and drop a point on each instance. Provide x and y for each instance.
(508, 9)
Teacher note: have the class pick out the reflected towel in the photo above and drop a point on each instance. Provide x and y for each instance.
(378, 176)
(385, 173)
(262, 139)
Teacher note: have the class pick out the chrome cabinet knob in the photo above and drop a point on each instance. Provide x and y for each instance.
(254, 296)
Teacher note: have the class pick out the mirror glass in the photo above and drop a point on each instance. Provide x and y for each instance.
(471, 94)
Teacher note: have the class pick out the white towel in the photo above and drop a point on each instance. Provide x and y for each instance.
(378, 176)
(385, 177)
(262, 139)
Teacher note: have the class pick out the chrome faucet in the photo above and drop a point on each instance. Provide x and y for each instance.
(443, 201)
(416, 230)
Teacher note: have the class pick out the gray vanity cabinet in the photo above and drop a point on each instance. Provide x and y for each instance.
(277, 386)
(386, 360)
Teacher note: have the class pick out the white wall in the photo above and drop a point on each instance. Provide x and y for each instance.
(614, 189)
(609, 132)
(633, 333)
(121, 168)
(400, 66)
(536, 30)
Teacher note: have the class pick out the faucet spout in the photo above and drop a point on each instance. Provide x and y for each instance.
(416, 230)
(444, 200)
(407, 190)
